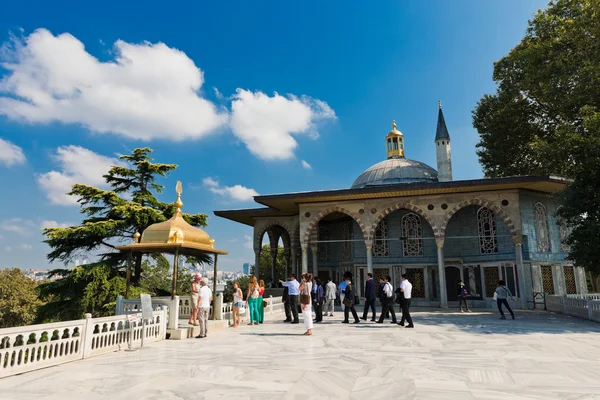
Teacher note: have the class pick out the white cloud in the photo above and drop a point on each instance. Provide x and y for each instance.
(25, 247)
(210, 182)
(234, 193)
(8, 248)
(19, 226)
(266, 124)
(306, 165)
(147, 91)
(54, 224)
(248, 242)
(10, 154)
(77, 165)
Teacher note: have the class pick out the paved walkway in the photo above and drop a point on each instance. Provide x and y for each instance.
(447, 356)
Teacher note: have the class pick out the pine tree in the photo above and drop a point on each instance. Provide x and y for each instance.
(112, 217)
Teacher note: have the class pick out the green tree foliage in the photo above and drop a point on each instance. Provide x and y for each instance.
(18, 299)
(544, 117)
(157, 278)
(266, 262)
(228, 291)
(111, 217)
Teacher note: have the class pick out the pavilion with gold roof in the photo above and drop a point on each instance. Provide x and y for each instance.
(401, 216)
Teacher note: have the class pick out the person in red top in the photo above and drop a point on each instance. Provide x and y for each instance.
(261, 306)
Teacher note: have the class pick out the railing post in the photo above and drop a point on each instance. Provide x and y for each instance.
(88, 335)
(590, 309)
(218, 306)
(119, 307)
(271, 304)
(174, 313)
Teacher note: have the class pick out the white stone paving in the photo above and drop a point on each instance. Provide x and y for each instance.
(448, 355)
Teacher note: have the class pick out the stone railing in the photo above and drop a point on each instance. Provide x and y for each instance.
(584, 306)
(589, 296)
(28, 348)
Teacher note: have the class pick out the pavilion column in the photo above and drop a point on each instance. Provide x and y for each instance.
(293, 263)
(287, 263)
(442, 273)
(369, 245)
(257, 263)
(273, 262)
(315, 261)
(304, 259)
(175, 268)
(214, 310)
(518, 241)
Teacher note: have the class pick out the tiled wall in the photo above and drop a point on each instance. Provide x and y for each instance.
(530, 245)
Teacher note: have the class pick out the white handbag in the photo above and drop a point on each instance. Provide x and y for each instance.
(495, 296)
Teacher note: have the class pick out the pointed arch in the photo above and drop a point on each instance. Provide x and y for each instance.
(286, 233)
(310, 229)
(404, 206)
(496, 209)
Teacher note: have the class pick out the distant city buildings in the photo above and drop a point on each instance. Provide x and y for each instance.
(39, 275)
(246, 269)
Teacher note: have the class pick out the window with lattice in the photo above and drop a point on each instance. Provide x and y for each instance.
(380, 244)
(564, 231)
(486, 224)
(416, 276)
(412, 232)
(541, 227)
(570, 279)
(346, 244)
(491, 276)
(323, 245)
(547, 279)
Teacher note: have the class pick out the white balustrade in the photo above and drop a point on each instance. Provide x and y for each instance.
(32, 347)
(581, 306)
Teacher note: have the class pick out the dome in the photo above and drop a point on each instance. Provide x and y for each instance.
(394, 171)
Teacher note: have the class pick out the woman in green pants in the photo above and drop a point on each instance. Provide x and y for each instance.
(252, 301)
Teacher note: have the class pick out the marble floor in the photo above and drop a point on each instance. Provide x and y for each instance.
(448, 355)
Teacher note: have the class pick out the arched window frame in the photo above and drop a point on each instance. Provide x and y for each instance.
(323, 248)
(346, 244)
(412, 230)
(380, 242)
(541, 227)
(486, 227)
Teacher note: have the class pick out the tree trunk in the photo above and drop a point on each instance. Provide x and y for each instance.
(138, 269)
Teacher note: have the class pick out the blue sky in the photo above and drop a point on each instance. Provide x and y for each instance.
(248, 94)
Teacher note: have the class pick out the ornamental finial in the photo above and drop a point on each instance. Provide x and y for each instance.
(440, 104)
(394, 124)
(178, 203)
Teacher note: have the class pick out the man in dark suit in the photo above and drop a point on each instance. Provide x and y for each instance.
(286, 305)
(370, 297)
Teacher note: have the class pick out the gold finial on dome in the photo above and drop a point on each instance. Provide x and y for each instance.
(136, 237)
(394, 143)
(178, 203)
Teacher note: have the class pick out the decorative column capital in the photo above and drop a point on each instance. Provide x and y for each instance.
(517, 240)
(439, 242)
(257, 251)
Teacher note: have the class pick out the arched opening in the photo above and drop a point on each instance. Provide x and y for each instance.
(274, 244)
(337, 245)
(479, 251)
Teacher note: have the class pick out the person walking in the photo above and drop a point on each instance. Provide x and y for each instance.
(462, 296)
(319, 297)
(306, 303)
(406, 289)
(252, 301)
(238, 302)
(195, 289)
(285, 299)
(382, 297)
(349, 302)
(261, 302)
(370, 297)
(293, 293)
(387, 301)
(502, 293)
(330, 296)
(204, 299)
(341, 288)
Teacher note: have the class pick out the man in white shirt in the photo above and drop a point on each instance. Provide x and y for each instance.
(330, 297)
(406, 288)
(204, 299)
(387, 301)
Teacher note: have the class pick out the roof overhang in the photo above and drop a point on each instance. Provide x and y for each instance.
(288, 204)
(184, 249)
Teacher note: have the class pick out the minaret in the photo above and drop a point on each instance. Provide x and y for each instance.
(394, 143)
(442, 149)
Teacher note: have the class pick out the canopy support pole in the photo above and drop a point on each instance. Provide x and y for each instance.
(175, 268)
(214, 311)
(129, 261)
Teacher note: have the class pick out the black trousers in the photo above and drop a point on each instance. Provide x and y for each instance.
(294, 307)
(387, 313)
(388, 307)
(505, 302)
(318, 311)
(369, 303)
(347, 313)
(406, 312)
(462, 300)
(288, 311)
